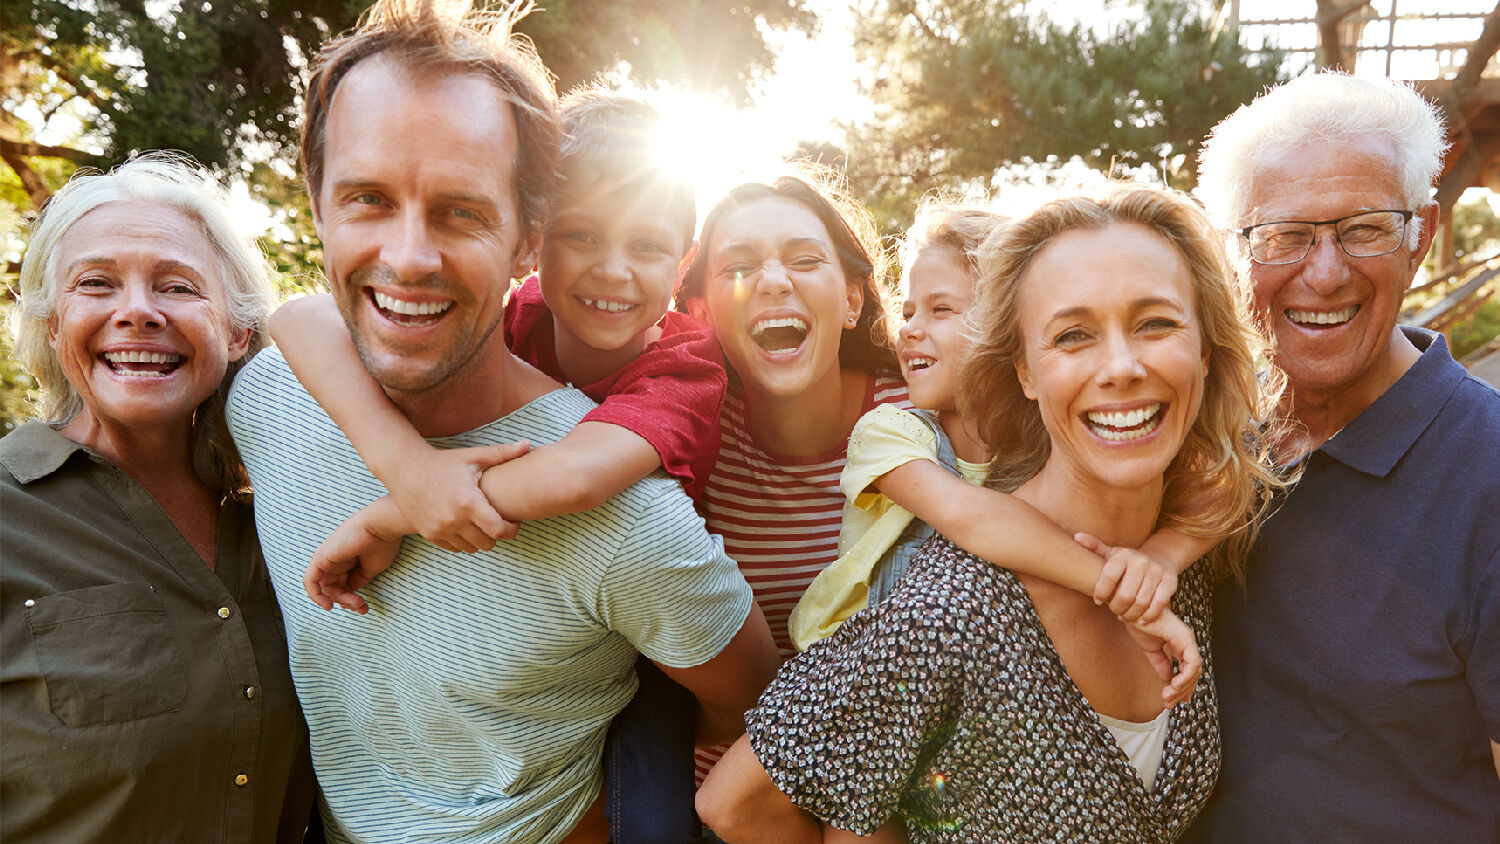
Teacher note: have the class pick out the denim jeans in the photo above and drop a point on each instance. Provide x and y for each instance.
(648, 764)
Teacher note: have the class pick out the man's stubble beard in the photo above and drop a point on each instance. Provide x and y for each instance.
(453, 360)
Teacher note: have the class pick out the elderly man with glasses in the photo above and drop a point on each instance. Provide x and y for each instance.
(1359, 664)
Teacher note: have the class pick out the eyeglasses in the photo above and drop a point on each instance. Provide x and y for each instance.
(1362, 235)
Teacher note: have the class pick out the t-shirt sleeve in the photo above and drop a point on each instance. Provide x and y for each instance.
(524, 310)
(883, 439)
(670, 396)
(843, 727)
(671, 591)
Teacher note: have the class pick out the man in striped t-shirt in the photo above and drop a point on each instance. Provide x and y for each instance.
(471, 703)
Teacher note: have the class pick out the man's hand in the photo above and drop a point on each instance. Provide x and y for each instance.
(438, 493)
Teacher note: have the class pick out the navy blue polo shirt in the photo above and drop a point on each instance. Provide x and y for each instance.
(1358, 669)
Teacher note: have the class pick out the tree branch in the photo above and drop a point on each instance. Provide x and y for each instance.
(36, 189)
(10, 147)
(1330, 16)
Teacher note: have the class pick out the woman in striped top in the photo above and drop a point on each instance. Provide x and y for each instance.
(789, 274)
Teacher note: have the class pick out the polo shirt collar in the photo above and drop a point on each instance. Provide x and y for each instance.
(35, 451)
(1378, 438)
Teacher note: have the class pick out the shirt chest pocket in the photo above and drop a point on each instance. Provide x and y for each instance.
(107, 654)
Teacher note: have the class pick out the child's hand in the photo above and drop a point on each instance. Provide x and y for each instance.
(438, 493)
(1164, 640)
(349, 558)
(1136, 587)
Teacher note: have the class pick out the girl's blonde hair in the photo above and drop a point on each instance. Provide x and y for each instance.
(939, 223)
(1222, 481)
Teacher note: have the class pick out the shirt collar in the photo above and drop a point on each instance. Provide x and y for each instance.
(1378, 437)
(35, 451)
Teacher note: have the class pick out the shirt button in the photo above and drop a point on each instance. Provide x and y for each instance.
(249, 693)
(30, 602)
(241, 780)
(223, 612)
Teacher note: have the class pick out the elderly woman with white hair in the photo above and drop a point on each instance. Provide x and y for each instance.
(143, 669)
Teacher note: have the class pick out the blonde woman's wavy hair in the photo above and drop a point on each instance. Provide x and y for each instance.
(1222, 481)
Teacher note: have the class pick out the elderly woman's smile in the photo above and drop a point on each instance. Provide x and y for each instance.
(142, 327)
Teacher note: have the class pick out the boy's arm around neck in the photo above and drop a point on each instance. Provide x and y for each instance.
(313, 338)
(436, 490)
(592, 464)
(661, 411)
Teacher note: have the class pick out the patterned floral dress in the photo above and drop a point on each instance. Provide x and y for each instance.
(949, 706)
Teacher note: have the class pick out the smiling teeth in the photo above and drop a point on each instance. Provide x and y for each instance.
(780, 322)
(124, 363)
(610, 307)
(1121, 425)
(1322, 317)
(401, 306)
(920, 363)
(141, 357)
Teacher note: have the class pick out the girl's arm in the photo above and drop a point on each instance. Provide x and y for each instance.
(991, 525)
(1137, 584)
(1012, 534)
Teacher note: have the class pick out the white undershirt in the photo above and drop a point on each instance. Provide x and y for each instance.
(1142, 743)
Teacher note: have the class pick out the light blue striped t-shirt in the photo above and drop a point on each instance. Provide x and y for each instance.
(470, 704)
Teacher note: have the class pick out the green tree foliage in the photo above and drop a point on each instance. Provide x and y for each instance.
(716, 46)
(220, 79)
(217, 79)
(963, 87)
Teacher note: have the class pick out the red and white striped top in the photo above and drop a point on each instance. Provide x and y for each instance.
(779, 515)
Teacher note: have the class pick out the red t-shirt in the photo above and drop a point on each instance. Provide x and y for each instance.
(670, 395)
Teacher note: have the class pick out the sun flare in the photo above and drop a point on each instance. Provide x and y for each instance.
(715, 146)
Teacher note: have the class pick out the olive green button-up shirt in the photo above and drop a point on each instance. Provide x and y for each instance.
(144, 697)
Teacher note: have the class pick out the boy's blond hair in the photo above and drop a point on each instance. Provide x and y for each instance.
(611, 142)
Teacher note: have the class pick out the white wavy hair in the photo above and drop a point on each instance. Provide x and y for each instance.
(1323, 108)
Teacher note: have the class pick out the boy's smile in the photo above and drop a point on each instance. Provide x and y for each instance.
(608, 271)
